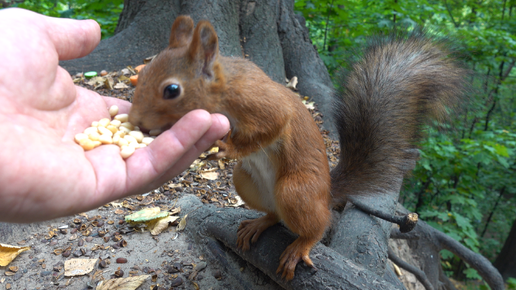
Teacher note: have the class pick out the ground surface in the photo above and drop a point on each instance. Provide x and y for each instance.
(172, 260)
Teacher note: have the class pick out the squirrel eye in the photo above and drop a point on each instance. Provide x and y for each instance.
(171, 92)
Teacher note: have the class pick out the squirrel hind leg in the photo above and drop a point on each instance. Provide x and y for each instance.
(250, 230)
(293, 254)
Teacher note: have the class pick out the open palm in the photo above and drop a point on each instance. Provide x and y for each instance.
(43, 173)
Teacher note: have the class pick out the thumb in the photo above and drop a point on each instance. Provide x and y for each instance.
(70, 38)
(73, 38)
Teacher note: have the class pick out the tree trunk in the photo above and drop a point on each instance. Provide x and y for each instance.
(506, 260)
(267, 32)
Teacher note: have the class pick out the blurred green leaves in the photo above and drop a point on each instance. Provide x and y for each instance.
(106, 13)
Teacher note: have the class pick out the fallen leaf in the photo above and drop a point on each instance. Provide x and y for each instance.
(131, 69)
(182, 224)
(175, 185)
(196, 165)
(149, 59)
(129, 283)
(236, 201)
(308, 105)
(108, 83)
(221, 164)
(146, 215)
(76, 267)
(96, 82)
(8, 253)
(162, 224)
(210, 175)
(175, 210)
(292, 84)
(121, 85)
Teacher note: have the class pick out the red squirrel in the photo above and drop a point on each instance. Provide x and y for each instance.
(282, 167)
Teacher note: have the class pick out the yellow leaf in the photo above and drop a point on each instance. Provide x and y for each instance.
(145, 215)
(8, 253)
(197, 164)
(121, 85)
(309, 105)
(210, 175)
(175, 210)
(129, 283)
(162, 224)
(182, 224)
(76, 267)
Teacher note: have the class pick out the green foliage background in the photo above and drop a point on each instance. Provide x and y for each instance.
(464, 184)
(106, 13)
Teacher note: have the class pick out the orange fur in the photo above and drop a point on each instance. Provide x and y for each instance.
(282, 169)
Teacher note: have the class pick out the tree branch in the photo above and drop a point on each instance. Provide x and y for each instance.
(438, 240)
(492, 211)
(420, 275)
(406, 222)
(451, 15)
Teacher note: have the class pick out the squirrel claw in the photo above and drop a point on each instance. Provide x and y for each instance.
(222, 151)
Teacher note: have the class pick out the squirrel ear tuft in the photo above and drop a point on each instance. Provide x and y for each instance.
(181, 32)
(205, 46)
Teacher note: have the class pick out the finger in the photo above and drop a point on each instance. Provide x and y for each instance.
(73, 38)
(150, 167)
(218, 129)
(173, 150)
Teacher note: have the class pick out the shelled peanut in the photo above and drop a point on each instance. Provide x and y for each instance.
(118, 131)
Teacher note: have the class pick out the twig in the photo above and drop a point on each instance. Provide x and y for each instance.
(420, 275)
(406, 222)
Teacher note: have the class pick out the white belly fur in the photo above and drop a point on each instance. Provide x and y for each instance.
(263, 173)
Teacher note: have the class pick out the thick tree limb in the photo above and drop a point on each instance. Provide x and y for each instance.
(334, 271)
(362, 237)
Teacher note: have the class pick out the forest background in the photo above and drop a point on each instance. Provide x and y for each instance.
(464, 184)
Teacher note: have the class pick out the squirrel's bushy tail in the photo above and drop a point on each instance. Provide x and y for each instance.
(399, 82)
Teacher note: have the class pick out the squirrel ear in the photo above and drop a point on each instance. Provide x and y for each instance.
(205, 46)
(181, 32)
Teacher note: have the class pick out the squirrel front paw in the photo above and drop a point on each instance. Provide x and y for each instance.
(222, 151)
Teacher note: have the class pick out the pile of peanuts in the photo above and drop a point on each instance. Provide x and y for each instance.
(118, 131)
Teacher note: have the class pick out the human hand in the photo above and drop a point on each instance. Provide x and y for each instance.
(44, 174)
